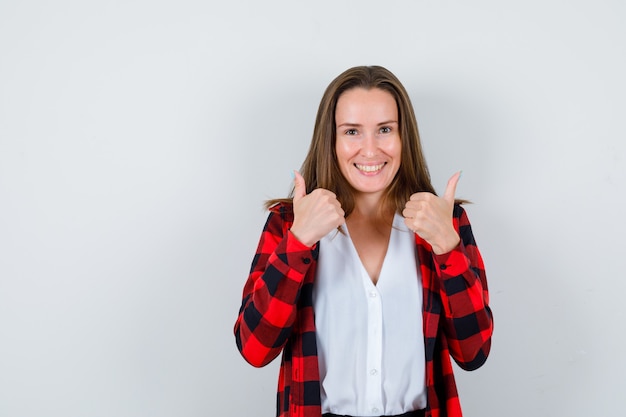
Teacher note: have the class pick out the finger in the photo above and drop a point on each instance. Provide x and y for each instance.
(409, 224)
(415, 205)
(448, 195)
(421, 196)
(299, 189)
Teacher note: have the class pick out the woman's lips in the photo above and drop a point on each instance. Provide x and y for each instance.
(370, 168)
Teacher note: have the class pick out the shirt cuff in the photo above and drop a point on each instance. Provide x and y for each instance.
(452, 263)
(295, 244)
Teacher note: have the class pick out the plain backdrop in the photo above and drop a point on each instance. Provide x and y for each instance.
(139, 139)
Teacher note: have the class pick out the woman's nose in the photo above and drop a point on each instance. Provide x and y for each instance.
(369, 146)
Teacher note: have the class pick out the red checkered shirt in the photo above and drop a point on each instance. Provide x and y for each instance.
(277, 315)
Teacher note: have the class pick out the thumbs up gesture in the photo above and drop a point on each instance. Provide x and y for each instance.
(315, 214)
(431, 217)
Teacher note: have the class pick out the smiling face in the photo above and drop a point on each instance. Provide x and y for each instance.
(368, 139)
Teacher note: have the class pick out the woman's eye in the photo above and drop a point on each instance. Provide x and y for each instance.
(351, 132)
(385, 129)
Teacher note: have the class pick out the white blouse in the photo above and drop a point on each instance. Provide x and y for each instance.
(369, 337)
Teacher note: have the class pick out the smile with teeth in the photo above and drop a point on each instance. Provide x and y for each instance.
(370, 168)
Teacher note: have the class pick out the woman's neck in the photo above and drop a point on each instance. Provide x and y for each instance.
(368, 208)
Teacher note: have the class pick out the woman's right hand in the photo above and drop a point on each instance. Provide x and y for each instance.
(315, 214)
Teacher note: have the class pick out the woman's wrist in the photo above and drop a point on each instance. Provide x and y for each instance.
(446, 244)
(301, 237)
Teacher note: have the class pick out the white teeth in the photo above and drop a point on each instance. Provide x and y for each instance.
(369, 168)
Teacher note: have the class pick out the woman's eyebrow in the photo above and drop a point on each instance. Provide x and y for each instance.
(348, 124)
(388, 122)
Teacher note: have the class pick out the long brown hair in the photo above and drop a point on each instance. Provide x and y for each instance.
(320, 168)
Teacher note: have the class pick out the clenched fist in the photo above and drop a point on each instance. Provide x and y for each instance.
(431, 217)
(315, 214)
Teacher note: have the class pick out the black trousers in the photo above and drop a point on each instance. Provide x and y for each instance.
(418, 413)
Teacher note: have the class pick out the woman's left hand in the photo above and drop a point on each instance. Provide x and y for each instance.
(431, 217)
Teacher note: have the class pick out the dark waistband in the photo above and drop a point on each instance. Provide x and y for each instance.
(417, 413)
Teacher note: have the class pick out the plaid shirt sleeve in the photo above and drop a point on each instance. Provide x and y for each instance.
(467, 319)
(271, 293)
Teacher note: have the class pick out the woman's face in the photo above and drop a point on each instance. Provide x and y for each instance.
(368, 139)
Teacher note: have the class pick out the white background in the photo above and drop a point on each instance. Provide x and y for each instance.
(138, 140)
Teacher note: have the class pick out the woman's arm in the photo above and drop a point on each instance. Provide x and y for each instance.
(271, 293)
(468, 322)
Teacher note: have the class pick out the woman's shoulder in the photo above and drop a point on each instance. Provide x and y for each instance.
(458, 210)
(284, 209)
(460, 217)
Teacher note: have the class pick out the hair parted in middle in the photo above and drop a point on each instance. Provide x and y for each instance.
(320, 168)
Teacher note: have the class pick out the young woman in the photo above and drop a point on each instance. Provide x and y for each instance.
(366, 280)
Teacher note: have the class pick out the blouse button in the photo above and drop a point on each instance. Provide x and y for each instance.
(443, 266)
(306, 260)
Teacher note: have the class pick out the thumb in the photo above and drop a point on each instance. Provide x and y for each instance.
(299, 187)
(448, 195)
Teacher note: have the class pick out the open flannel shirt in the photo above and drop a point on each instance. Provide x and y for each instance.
(277, 315)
